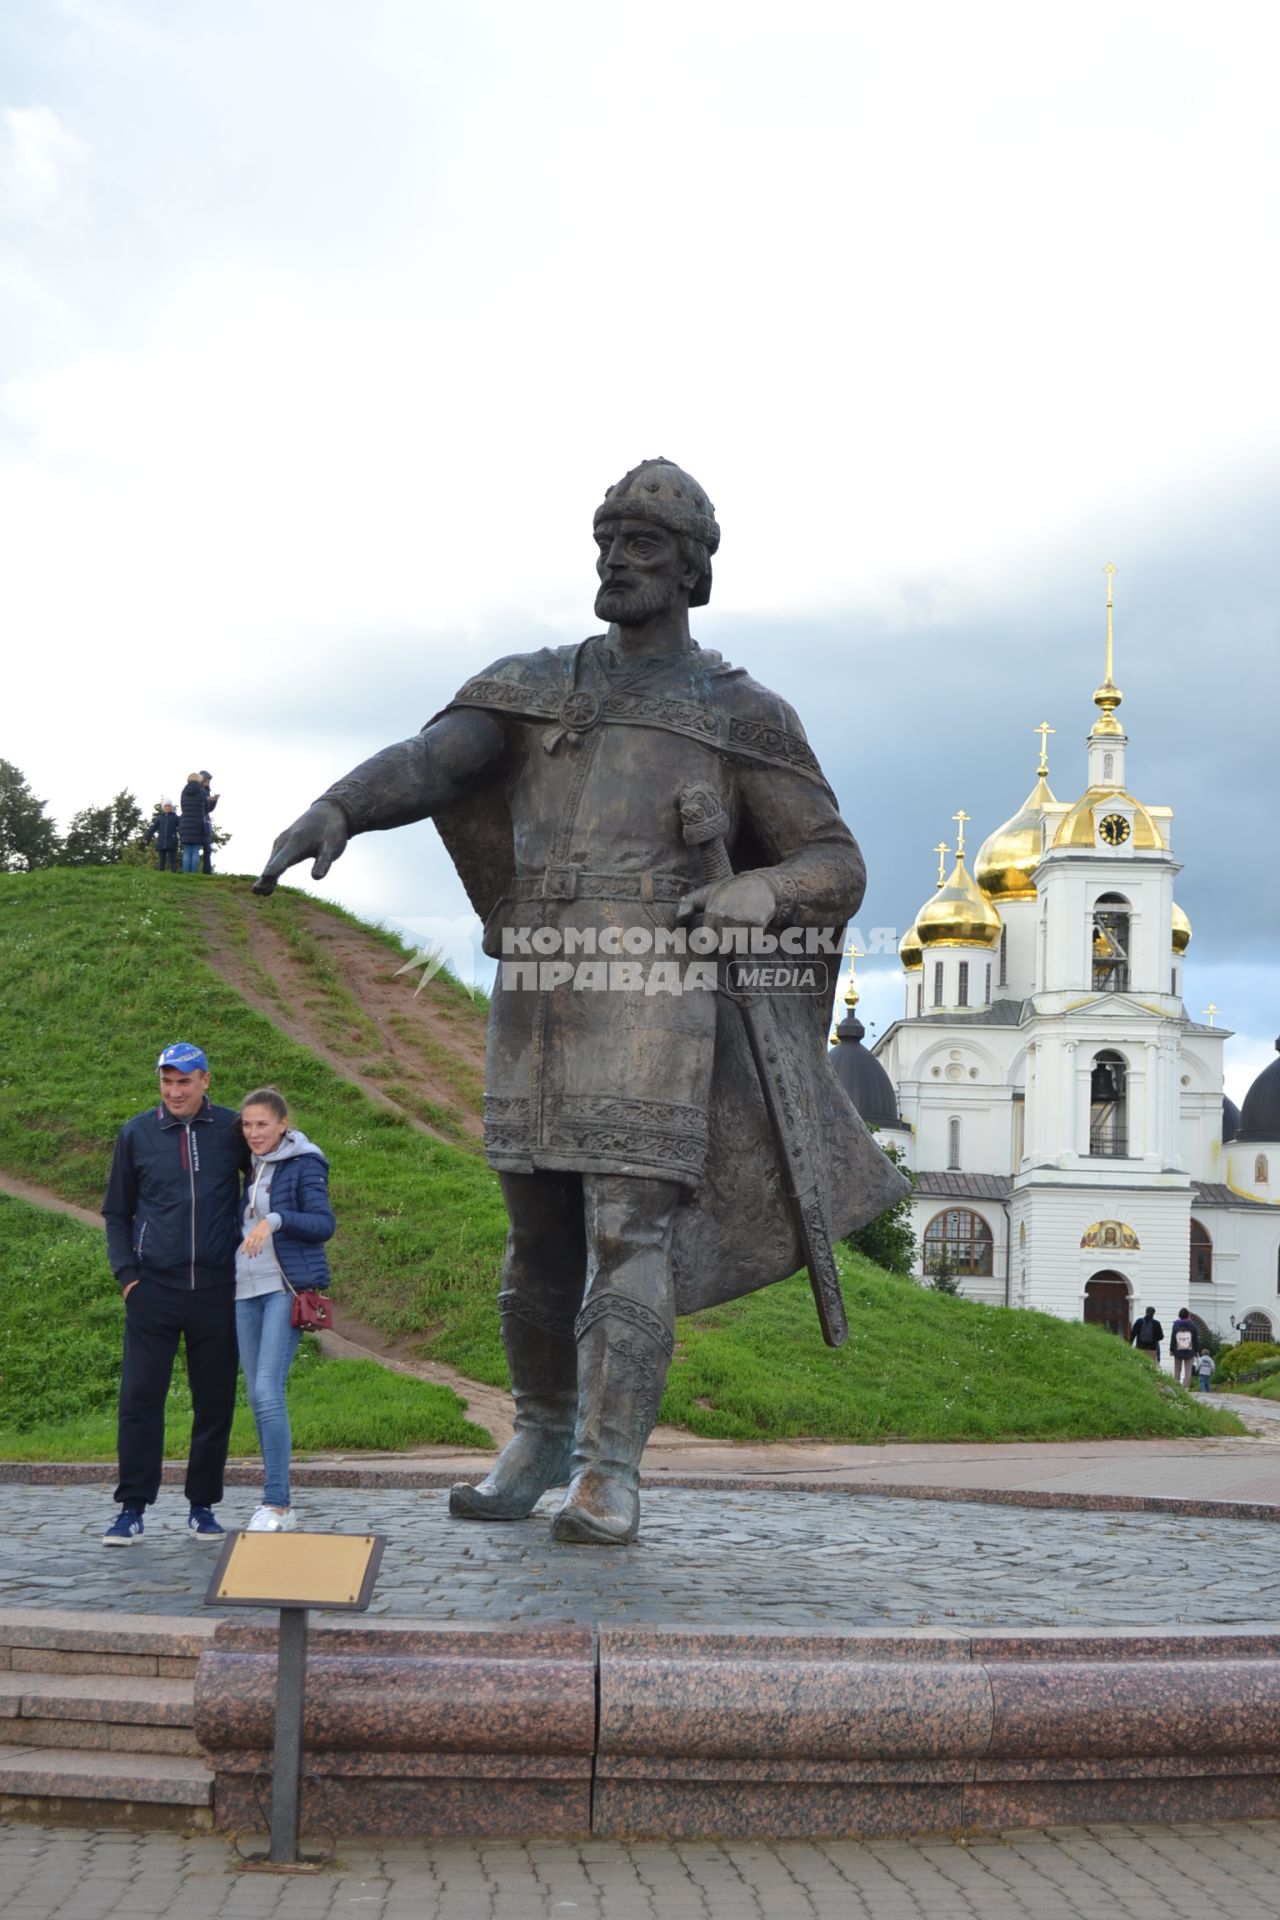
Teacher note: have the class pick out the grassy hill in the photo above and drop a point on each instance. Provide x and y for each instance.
(100, 968)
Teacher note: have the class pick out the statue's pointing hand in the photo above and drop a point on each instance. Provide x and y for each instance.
(320, 835)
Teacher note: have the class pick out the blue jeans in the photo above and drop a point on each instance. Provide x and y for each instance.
(192, 854)
(267, 1346)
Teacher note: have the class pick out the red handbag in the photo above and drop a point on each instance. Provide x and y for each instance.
(310, 1310)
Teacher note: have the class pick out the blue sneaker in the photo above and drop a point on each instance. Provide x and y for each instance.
(201, 1523)
(124, 1529)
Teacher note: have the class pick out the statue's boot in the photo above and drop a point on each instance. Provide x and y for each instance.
(542, 1361)
(624, 1350)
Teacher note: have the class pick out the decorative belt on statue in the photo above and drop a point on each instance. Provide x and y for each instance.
(581, 883)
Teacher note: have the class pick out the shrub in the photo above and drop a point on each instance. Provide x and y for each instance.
(1247, 1357)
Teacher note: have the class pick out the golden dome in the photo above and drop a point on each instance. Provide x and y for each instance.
(959, 914)
(1007, 859)
(1181, 929)
(910, 952)
(1075, 829)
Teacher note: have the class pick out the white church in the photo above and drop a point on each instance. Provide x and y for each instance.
(1063, 1116)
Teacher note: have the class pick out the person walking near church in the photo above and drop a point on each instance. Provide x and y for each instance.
(1147, 1334)
(172, 1213)
(1184, 1345)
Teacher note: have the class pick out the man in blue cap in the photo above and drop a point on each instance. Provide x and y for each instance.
(172, 1209)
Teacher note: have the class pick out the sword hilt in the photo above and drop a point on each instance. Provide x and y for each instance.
(705, 823)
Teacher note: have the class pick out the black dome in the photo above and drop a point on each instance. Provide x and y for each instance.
(1230, 1120)
(1260, 1114)
(863, 1078)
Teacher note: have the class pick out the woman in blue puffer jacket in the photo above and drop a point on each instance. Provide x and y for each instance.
(286, 1221)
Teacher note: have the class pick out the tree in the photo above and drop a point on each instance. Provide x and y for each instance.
(941, 1278)
(28, 837)
(98, 836)
(889, 1239)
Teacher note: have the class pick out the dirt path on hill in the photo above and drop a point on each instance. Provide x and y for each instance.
(19, 1189)
(421, 1054)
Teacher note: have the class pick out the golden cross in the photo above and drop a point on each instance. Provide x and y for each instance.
(942, 850)
(1044, 730)
(1109, 570)
(853, 954)
(1211, 1010)
(960, 819)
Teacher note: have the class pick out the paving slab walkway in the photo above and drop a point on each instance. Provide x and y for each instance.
(826, 1560)
(1121, 1872)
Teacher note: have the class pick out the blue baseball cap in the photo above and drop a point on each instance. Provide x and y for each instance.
(184, 1058)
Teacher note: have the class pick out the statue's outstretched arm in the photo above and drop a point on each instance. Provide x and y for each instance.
(449, 759)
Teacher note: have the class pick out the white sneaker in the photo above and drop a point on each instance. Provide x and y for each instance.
(270, 1520)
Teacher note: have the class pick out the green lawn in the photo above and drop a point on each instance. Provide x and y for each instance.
(100, 969)
(61, 1324)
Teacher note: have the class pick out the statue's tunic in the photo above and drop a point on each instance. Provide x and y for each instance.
(585, 848)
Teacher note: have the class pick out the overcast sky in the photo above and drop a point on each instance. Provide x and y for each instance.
(324, 326)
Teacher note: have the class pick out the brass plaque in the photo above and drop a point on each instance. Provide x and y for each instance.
(296, 1570)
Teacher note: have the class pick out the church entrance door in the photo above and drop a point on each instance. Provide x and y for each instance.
(1106, 1303)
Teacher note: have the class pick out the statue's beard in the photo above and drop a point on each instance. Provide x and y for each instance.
(632, 606)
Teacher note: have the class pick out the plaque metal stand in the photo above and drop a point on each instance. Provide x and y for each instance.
(293, 1572)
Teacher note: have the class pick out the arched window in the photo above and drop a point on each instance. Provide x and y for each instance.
(1261, 1171)
(958, 1241)
(919, 998)
(1201, 1254)
(1108, 766)
(1108, 1107)
(962, 990)
(1004, 958)
(937, 983)
(1111, 944)
(953, 1145)
(1255, 1326)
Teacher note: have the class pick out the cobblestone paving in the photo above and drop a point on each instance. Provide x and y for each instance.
(1064, 1873)
(797, 1560)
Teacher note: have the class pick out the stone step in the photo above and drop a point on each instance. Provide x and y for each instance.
(141, 1700)
(120, 1713)
(105, 1736)
(45, 1640)
(92, 1788)
(96, 1716)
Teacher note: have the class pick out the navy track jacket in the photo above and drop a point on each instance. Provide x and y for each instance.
(172, 1204)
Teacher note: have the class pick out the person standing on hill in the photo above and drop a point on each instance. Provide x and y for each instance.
(164, 830)
(1147, 1334)
(286, 1221)
(210, 802)
(1184, 1345)
(193, 822)
(172, 1209)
